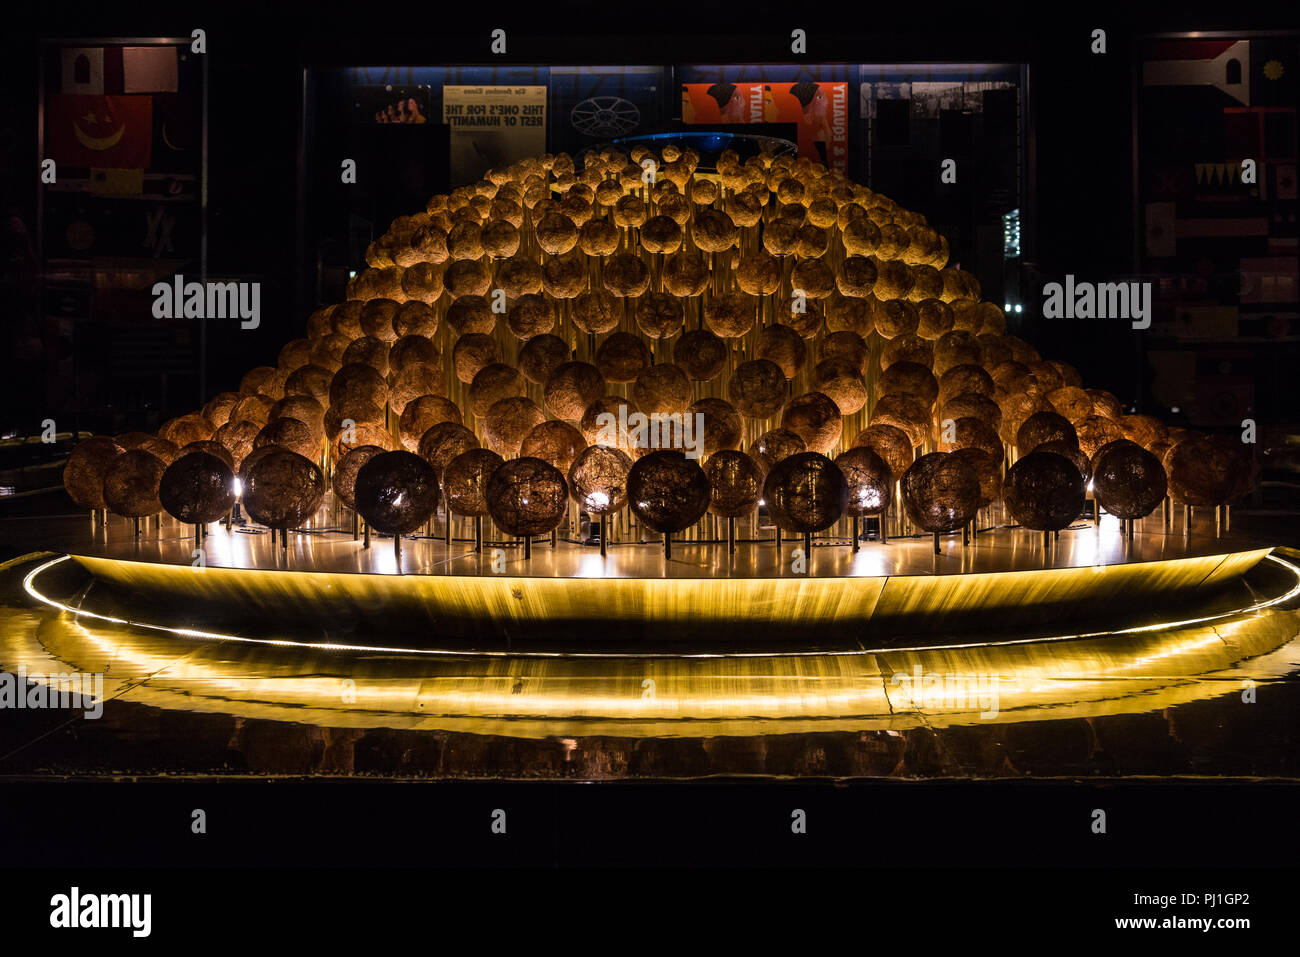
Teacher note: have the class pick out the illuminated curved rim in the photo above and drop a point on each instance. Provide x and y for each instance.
(30, 588)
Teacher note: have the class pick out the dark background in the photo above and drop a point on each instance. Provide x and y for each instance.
(265, 220)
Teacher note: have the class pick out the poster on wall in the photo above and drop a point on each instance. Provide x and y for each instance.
(819, 112)
(493, 126)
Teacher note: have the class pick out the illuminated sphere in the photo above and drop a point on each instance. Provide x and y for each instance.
(735, 483)
(443, 442)
(508, 422)
(1044, 427)
(782, 345)
(667, 491)
(1095, 431)
(1128, 481)
(283, 489)
(197, 488)
(757, 388)
(527, 496)
(540, 356)
(131, 484)
(662, 388)
(598, 479)
(465, 481)
(806, 493)
(159, 448)
(1071, 402)
(212, 448)
(909, 378)
(905, 412)
(237, 438)
(573, 387)
(941, 492)
(423, 413)
(816, 419)
(555, 442)
(186, 429)
(1044, 491)
(622, 357)
(344, 480)
(869, 478)
(723, 427)
(291, 434)
(87, 466)
(396, 492)
(890, 443)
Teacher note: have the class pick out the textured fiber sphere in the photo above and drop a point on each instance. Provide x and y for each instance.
(700, 354)
(1044, 491)
(396, 492)
(526, 497)
(598, 479)
(344, 481)
(1201, 472)
(988, 468)
(1042, 427)
(131, 484)
(554, 442)
(87, 466)
(890, 443)
(735, 483)
(869, 478)
(1128, 481)
(283, 489)
(465, 481)
(815, 419)
(667, 491)
(941, 492)
(197, 488)
(757, 388)
(806, 493)
(774, 446)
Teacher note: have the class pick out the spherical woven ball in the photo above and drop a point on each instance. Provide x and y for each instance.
(806, 493)
(465, 481)
(1044, 491)
(555, 442)
(396, 492)
(527, 496)
(890, 443)
(1128, 481)
(283, 489)
(87, 466)
(941, 492)
(197, 488)
(667, 491)
(1201, 472)
(735, 483)
(344, 480)
(1044, 427)
(816, 419)
(131, 484)
(598, 479)
(869, 478)
(700, 354)
(988, 468)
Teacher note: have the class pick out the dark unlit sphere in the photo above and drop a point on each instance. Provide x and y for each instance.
(88, 463)
(1044, 491)
(941, 492)
(527, 496)
(735, 483)
(806, 493)
(396, 492)
(197, 488)
(131, 484)
(283, 489)
(1128, 481)
(667, 491)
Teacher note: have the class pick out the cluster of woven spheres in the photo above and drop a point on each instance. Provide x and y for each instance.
(795, 311)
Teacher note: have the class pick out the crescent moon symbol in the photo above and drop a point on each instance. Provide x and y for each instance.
(169, 143)
(98, 142)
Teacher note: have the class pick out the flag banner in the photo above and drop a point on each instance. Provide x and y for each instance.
(99, 131)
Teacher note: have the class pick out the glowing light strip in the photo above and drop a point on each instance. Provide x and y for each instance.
(30, 588)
